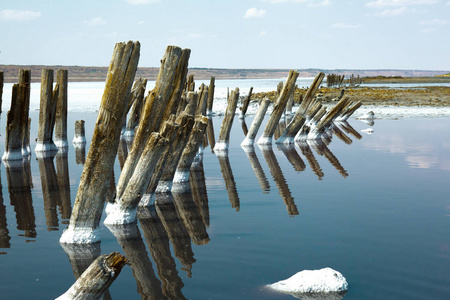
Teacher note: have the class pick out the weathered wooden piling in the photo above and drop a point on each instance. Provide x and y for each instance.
(278, 109)
(211, 89)
(45, 147)
(349, 111)
(17, 128)
(137, 95)
(97, 172)
(246, 103)
(1, 89)
(225, 128)
(190, 84)
(190, 149)
(259, 117)
(325, 121)
(97, 278)
(290, 103)
(80, 134)
(202, 101)
(61, 110)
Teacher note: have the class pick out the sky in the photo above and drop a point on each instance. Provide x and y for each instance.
(248, 34)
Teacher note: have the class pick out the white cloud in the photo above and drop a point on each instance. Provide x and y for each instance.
(308, 2)
(346, 26)
(140, 2)
(393, 12)
(384, 3)
(434, 22)
(255, 13)
(19, 15)
(95, 22)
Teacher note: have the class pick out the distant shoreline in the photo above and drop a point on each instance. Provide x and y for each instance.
(98, 74)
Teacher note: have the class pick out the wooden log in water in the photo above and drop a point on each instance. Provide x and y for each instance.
(80, 133)
(97, 278)
(152, 113)
(98, 169)
(17, 121)
(349, 111)
(190, 149)
(256, 124)
(202, 101)
(45, 147)
(1, 89)
(278, 109)
(308, 99)
(290, 103)
(190, 84)
(137, 95)
(61, 110)
(211, 88)
(325, 121)
(246, 103)
(225, 128)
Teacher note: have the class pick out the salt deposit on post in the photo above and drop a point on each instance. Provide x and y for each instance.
(321, 281)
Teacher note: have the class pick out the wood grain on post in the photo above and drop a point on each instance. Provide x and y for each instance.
(137, 98)
(325, 121)
(256, 124)
(246, 103)
(17, 121)
(349, 111)
(98, 169)
(44, 144)
(1, 89)
(308, 99)
(225, 128)
(97, 278)
(278, 109)
(211, 88)
(80, 135)
(61, 109)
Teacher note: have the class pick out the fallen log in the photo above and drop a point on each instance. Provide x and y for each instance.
(97, 278)
(98, 169)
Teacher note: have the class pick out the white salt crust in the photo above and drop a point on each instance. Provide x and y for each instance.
(265, 140)
(181, 176)
(80, 236)
(164, 186)
(45, 147)
(61, 143)
(247, 142)
(146, 200)
(367, 131)
(325, 280)
(117, 214)
(13, 155)
(285, 140)
(220, 146)
(79, 140)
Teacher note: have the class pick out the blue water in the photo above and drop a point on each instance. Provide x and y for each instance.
(377, 210)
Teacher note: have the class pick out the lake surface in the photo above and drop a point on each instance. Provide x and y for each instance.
(376, 208)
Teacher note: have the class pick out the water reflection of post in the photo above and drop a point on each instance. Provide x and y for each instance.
(279, 179)
(230, 184)
(50, 191)
(129, 238)
(337, 132)
(198, 188)
(178, 235)
(4, 232)
(293, 157)
(159, 247)
(322, 149)
(244, 126)
(19, 187)
(189, 213)
(350, 130)
(257, 169)
(306, 151)
(210, 134)
(62, 169)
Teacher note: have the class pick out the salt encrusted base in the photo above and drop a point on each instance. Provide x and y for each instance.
(285, 140)
(15, 155)
(221, 146)
(129, 133)
(248, 148)
(221, 152)
(147, 200)
(164, 186)
(325, 280)
(247, 142)
(117, 214)
(265, 140)
(26, 151)
(80, 236)
(181, 176)
(61, 143)
(79, 140)
(45, 147)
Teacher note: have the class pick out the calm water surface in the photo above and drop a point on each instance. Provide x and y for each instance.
(377, 210)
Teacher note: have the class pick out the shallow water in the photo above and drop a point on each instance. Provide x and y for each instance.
(377, 210)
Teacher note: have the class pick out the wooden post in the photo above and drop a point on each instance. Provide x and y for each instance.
(211, 89)
(278, 109)
(17, 119)
(97, 278)
(97, 172)
(308, 99)
(137, 93)
(190, 150)
(45, 147)
(290, 103)
(80, 135)
(259, 117)
(1, 89)
(291, 130)
(61, 110)
(349, 111)
(246, 103)
(202, 100)
(224, 135)
(152, 113)
(324, 122)
(210, 134)
(190, 84)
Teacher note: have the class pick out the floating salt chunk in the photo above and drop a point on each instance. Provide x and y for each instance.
(370, 115)
(368, 130)
(325, 283)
